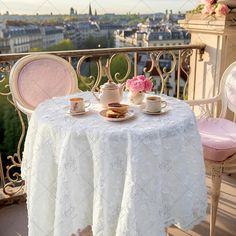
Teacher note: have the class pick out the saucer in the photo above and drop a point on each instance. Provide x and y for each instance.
(163, 111)
(127, 116)
(76, 113)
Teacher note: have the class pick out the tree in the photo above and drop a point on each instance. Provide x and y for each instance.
(65, 44)
(36, 50)
(119, 65)
(98, 42)
(10, 127)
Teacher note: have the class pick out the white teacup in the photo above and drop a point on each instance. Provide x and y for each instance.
(78, 104)
(154, 104)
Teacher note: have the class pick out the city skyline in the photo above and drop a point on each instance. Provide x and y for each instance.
(102, 6)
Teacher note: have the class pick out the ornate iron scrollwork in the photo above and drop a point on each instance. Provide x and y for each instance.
(13, 184)
(102, 67)
(185, 67)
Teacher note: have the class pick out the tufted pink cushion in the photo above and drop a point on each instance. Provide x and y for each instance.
(43, 79)
(218, 138)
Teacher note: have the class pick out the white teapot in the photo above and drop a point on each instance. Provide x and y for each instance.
(110, 92)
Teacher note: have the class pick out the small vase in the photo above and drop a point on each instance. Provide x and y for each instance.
(136, 99)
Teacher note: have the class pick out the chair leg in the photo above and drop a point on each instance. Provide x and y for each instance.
(216, 178)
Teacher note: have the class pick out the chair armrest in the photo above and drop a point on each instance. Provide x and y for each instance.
(203, 101)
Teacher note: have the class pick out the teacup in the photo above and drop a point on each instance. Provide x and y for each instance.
(78, 105)
(154, 104)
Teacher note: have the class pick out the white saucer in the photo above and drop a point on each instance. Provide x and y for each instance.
(163, 111)
(77, 113)
(127, 116)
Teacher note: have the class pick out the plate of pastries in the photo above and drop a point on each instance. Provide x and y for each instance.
(117, 112)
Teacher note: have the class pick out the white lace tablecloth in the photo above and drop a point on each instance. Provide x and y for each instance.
(130, 178)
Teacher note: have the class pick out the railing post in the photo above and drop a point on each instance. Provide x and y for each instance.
(219, 36)
(2, 178)
(135, 63)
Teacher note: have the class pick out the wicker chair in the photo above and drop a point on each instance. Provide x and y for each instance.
(219, 137)
(38, 77)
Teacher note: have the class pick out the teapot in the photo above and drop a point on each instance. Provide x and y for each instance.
(110, 92)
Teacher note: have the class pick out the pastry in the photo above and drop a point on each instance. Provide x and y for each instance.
(112, 114)
(119, 108)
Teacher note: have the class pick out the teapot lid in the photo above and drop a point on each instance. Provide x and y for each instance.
(109, 85)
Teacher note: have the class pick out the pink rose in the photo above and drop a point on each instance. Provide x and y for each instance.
(142, 77)
(148, 85)
(129, 83)
(221, 10)
(208, 9)
(137, 86)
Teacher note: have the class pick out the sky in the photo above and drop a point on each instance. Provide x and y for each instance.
(102, 6)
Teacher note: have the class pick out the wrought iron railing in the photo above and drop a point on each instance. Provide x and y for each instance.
(169, 68)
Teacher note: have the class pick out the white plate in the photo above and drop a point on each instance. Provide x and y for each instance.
(163, 111)
(128, 115)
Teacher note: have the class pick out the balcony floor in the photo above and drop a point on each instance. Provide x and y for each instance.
(13, 218)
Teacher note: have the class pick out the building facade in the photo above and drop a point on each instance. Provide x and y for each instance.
(51, 36)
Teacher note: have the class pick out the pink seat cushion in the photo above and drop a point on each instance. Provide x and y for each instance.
(218, 138)
(43, 79)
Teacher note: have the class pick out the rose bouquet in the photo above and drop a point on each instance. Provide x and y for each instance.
(215, 7)
(139, 84)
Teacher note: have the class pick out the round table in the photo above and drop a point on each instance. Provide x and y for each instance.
(130, 178)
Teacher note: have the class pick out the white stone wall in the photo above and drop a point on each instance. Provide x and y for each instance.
(19, 44)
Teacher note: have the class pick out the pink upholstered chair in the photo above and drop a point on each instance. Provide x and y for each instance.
(219, 137)
(38, 77)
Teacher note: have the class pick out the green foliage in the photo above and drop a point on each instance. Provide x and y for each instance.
(94, 42)
(2, 109)
(90, 72)
(136, 21)
(36, 50)
(65, 44)
(119, 66)
(132, 19)
(71, 18)
(10, 127)
(197, 10)
(111, 40)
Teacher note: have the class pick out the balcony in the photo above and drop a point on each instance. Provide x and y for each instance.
(173, 70)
